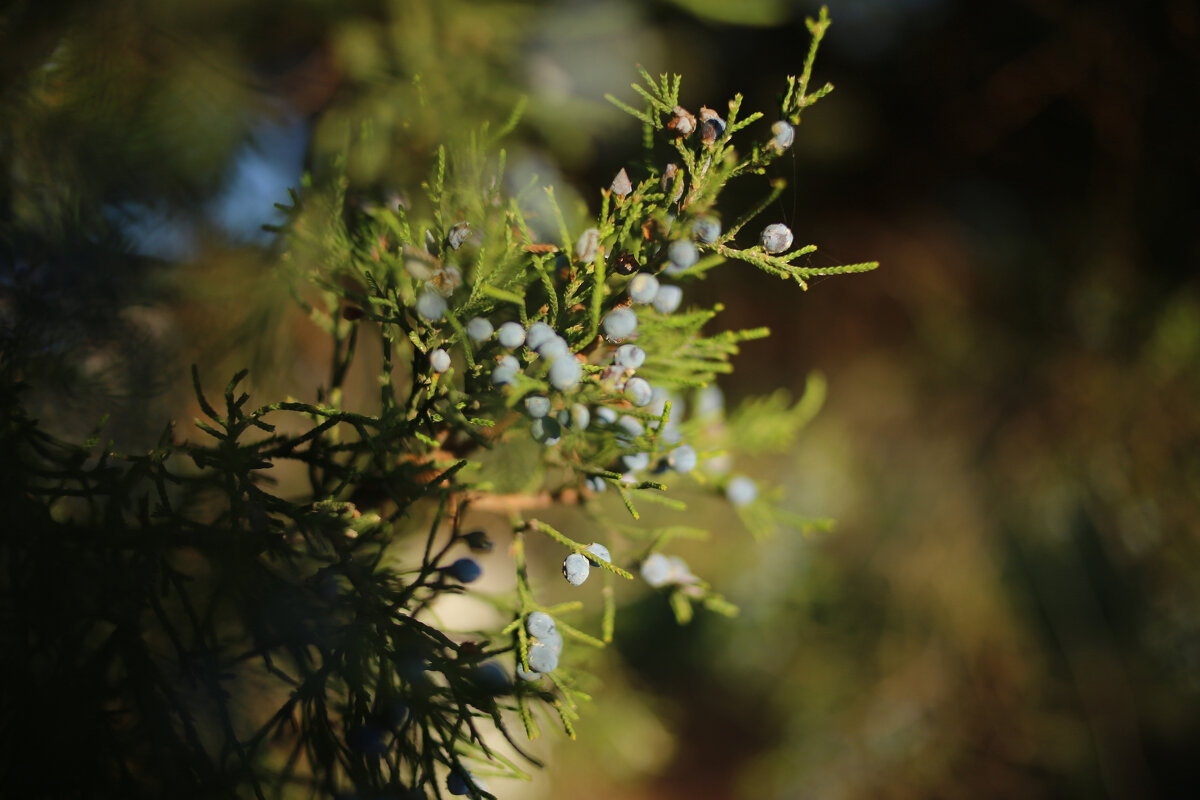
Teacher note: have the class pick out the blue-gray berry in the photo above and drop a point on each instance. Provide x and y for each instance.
(682, 459)
(543, 658)
(539, 624)
(682, 254)
(546, 430)
(511, 335)
(396, 713)
(431, 305)
(505, 371)
(480, 329)
(596, 483)
(642, 288)
(465, 570)
(707, 230)
(577, 417)
(620, 324)
(656, 569)
(553, 640)
(553, 347)
(741, 490)
(367, 739)
(539, 334)
(492, 678)
(440, 360)
(776, 238)
(784, 135)
(668, 299)
(630, 356)
(600, 552)
(606, 415)
(565, 373)
(528, 675)
(575, 569)
(629, 428)
(537, 406)
(459, 784)
(635, 462)
(639, 392)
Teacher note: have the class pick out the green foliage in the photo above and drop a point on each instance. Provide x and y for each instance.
(196, 580)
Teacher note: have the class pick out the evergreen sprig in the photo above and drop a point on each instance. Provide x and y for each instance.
(195, 576)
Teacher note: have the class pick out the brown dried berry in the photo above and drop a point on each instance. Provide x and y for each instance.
(712, 127)
(683, 123)
(352, 313)
(625, 264)
(668, 180)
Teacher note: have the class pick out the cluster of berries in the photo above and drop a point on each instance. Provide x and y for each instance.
(576, 567)
(545, 647)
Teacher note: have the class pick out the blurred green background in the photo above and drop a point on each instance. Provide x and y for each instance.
(1010, 605)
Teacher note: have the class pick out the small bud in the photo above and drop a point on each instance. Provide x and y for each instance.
(621, 186)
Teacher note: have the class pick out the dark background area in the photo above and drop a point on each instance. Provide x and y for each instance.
(1011, 603)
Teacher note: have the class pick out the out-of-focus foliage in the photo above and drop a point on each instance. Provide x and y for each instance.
(1007, 607)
